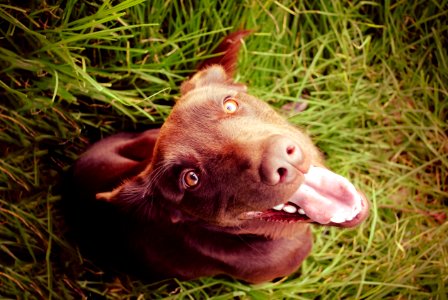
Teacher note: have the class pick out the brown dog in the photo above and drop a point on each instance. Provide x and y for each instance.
(226, 186)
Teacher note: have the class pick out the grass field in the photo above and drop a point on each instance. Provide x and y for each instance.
(373, 74)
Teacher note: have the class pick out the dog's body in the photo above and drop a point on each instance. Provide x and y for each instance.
(226, 186)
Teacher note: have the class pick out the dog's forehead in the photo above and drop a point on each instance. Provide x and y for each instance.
(201, 114)
(200, 109)
(193, 121)
(199, 123)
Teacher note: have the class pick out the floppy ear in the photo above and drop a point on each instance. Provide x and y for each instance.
(152, 182)
(211, 76)
(168, 185)
(220, 68)
(109, 196)
(227, 52)
(137, 198)
(112, 160)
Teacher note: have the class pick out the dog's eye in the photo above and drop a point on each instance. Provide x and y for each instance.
(230, 105)
(190, 179)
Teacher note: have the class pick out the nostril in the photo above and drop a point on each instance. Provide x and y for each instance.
(290, 150)
(283, 172)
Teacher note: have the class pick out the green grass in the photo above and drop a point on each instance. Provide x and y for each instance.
(374, 76)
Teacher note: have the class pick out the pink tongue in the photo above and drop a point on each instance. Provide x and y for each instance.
(327, 197)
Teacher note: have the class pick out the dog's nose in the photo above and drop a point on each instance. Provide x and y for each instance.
(280, 161)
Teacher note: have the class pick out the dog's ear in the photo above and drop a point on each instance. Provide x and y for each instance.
(151, 182)
(227, 52)
(167, 184)
(214, 74)
(209, 76)
(110, 196)
(220, 68)
(138, 198)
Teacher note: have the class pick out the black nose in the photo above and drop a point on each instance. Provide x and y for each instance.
(280, 161)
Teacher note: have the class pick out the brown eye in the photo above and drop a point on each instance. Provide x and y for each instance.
(190, 179)
(230, 105)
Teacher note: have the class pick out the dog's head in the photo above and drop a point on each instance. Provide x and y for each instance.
(228, 159)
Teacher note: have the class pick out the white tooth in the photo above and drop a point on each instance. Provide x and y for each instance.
(301, 211)
(350, 218)
(278, 207)
(289, 209)
(338, 219)
(357, 209)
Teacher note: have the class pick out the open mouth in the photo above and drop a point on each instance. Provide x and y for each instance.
(324, 198)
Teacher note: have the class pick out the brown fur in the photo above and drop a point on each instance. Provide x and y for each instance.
(164, 228)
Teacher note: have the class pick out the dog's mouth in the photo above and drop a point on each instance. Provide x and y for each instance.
(324, 198)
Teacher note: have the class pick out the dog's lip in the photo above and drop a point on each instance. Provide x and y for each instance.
(273, 215)
(278, 215)
(324, 198)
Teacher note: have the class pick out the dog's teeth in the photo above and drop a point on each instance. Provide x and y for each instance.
(278, 207)
(338, 219)
(289, 209)
(251, 214)
(301, 211)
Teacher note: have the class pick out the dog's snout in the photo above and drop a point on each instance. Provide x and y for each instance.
(281, 160)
